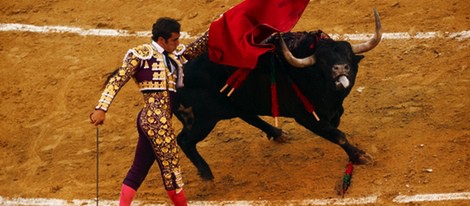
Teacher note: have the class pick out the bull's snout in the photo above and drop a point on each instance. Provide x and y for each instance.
(341, 74)
(341, 69)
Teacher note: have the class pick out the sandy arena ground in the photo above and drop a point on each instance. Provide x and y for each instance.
(410, 108)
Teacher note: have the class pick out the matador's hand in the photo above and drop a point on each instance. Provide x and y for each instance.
(97, 117)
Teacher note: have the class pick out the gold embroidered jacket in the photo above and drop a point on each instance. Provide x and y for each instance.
(148, 69)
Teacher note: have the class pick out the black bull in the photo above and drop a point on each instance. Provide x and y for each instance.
(325, 77)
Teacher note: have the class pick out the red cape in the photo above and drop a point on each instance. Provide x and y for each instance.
(235, 38)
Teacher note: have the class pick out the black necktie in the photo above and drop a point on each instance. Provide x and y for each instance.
(168, 61)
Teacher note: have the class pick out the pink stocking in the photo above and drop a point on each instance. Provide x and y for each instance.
(178, 198)
(127, 194)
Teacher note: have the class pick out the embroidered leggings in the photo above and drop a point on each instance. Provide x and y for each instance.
(157, 143)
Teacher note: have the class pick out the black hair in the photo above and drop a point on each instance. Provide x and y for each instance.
(163, 27)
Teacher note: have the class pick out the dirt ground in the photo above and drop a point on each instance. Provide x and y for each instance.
(410, 108)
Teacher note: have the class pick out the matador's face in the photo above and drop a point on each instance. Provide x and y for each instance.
(171, 43)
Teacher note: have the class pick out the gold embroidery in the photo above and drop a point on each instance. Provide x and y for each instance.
(196, 48)
(150, 132)
(163, 140)
(158, 75)
(108, 99)
(153, 85)
(161, 65)
(165, 163)
(122, 72)
(143, 51)
(162, 79)
(116, 81)
(155, 118)
(165, 150)
(146, 64)
(134, 62)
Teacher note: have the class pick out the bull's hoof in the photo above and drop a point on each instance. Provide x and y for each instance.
(206, 176)
(283, 138)
(363, 159)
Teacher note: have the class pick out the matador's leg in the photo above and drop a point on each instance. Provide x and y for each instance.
(156, 124)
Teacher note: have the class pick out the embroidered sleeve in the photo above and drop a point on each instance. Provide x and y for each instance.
(117, 81)
(197, 47)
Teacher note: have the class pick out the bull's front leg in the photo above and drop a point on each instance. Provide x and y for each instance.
(356, 155)
(327, 131)
(271, 132)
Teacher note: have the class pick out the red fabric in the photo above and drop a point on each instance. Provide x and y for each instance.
(275, 105)
(238, 77)
(234, 39)
(349, 168)
(308, 106)
(347, 177)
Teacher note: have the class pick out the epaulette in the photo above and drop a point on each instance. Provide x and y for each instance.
(144, 51)
(179, 50)
(178, 54)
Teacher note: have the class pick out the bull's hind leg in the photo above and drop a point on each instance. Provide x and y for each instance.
(187, 140)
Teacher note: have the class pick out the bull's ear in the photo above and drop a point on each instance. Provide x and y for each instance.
(358, 58)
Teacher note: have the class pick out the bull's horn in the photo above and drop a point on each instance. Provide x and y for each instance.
(367, 46)
(296, 62)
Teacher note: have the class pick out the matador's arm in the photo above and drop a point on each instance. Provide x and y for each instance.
(118, 79)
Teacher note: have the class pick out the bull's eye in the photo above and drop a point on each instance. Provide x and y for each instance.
(347, 67)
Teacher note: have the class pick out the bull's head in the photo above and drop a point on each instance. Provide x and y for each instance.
(337, 52)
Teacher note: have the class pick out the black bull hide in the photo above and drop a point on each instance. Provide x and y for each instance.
(201, 105)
